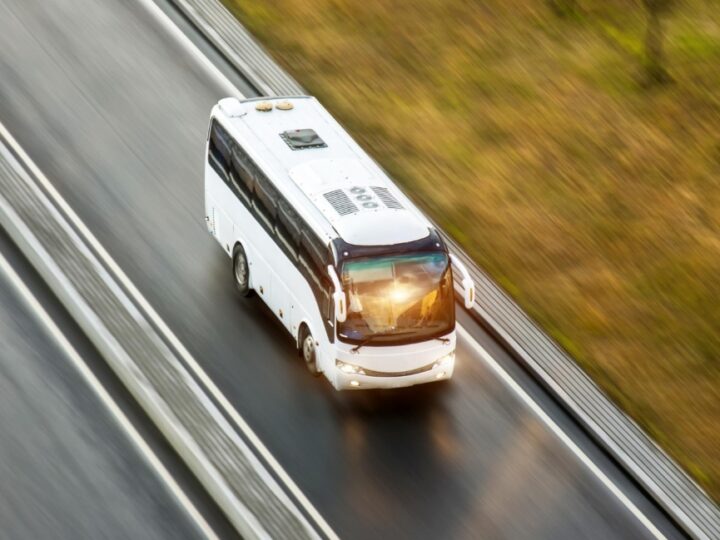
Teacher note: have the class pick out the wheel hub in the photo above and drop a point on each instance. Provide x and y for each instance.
(241, 271)
(308, 349)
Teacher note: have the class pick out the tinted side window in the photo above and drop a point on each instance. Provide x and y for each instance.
(325, 302)
(241, 174)
(313, 258)
(287, 228)
(219, 149)
(265, 202)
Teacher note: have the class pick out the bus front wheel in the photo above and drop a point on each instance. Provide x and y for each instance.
(308, 350)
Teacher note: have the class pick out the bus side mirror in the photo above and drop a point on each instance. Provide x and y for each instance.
(467, 284)
(338, 296)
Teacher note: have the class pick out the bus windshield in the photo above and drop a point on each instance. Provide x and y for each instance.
(410, 295)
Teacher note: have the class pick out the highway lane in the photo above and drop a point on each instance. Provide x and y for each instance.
(114, 111)
(68, 468)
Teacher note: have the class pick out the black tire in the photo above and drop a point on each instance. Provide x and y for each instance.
(307, 350)
(241, 272)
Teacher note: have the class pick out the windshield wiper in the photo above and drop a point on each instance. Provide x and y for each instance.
(372, 337)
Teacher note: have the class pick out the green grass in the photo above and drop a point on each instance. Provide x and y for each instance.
(528, 136)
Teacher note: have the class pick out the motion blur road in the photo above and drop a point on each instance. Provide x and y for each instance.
(114, 110)
(67, 467)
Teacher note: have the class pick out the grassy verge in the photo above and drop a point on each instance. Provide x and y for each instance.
(593, 200)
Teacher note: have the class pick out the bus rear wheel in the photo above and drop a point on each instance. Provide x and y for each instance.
(241, 271)
(308, 352)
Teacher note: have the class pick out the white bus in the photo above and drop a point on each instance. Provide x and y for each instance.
(352, 269)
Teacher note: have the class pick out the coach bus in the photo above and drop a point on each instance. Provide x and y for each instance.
(352, 269)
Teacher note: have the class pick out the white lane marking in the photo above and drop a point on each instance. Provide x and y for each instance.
(182, 39)
(574, 448)
(52, 329)
(203, 377)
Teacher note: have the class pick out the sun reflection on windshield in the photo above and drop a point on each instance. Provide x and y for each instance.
(409, 294)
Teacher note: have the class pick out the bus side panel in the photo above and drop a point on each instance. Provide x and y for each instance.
(216, 209)
(211, 203)
(293, 295)
(234, 224)
(242, 228)
(283, 297)
(270, 267)
(285, 288)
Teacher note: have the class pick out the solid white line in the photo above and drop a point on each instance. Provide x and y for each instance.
(210, 386)
(190, 47)
(557, 430)
(70, 352)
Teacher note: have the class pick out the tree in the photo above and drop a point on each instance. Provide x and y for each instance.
(655, 70)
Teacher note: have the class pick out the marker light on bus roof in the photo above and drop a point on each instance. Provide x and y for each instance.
(284, 106)
(264, 106)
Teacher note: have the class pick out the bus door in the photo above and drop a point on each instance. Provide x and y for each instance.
(282, 301)
(219, 155)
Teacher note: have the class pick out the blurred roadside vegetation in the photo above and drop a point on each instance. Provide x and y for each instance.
(573, 148)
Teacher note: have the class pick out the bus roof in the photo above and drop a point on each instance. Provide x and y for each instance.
(311, 158)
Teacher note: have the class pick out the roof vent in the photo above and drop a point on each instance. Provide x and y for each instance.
(387, 198)
(300, 139)
(339, 200)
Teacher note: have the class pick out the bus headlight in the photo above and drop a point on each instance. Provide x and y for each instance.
(350, 369)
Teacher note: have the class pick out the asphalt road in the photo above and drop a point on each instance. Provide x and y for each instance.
(114, 111)
(68, 469)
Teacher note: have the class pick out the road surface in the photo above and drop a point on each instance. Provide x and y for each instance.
(69, 469)
(113, 109)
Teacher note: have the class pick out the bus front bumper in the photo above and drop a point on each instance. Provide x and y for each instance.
(363, 378)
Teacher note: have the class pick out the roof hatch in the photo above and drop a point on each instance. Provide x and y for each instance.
(300, 139)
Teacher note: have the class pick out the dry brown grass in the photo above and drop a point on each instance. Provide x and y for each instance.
(592, 200)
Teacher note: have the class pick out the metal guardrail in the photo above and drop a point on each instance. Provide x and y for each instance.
(620, 436)
(224, 464)
(659, 475)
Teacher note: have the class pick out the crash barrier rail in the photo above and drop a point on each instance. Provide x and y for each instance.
(242, 487)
